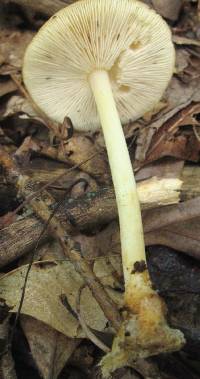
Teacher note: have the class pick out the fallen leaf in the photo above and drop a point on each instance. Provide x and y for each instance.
(169, 8)
(183, 237)
(170, 146)
(178, 96)
(164, 217)
(18, 104)
(143, 142)
(157, 108)
(164, 168)
(176, 226)
(49, 348)
(182, 60)
(74, 151)
(12, 46)
(83, 183)
(79, 148)
(6, 87)
(47, 281)
(166, 141)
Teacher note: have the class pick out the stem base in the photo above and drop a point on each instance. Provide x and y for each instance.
(144, 331)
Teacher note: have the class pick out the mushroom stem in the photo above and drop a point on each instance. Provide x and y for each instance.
(131, 230)
(144, 331)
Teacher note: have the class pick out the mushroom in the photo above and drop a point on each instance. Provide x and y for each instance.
(107, 62)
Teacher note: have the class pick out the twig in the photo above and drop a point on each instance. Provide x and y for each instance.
(31, 259)
(196, 133)
(88, 331)
(73, 251)
(91, 210)
(85, 328)
(8, 164)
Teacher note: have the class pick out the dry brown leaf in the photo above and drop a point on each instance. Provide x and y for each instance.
(182, 60)
(85, 183)
(166, 141)
(184, 237)
(111, 264)
(18, 104)
(49, 348)
(7, 86)
(143, 143)
(169, 8)
(165, 168)
(12, 46)
(165, 217)
(47, 282)
(42, 300)
(79, 148)
(178, 96)
(157, 108)
(170, 146)
(175, 226)
(74, 151)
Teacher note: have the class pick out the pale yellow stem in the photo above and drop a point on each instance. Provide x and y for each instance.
(131, 231)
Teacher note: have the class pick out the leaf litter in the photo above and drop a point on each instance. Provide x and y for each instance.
(165, 143)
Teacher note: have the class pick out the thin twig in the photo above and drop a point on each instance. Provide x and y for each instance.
(70, 249)
(47, 185)
(88, 332)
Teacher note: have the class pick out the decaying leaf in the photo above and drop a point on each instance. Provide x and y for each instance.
(76, 150)
(160, 142)
(47, 281)
(7, 86)
(12, 47)
(165, 168)
(182, 237)
(79, 148)
(175, 226)
(169, 141)
(18, 104)
(168, 8)
(50, 349)
(182, 60)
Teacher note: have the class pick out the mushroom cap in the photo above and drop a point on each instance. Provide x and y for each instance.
(124, 37)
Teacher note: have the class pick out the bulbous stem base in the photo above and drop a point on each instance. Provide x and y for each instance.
(144, 331)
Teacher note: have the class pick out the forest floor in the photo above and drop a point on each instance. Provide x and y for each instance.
(66, 175)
